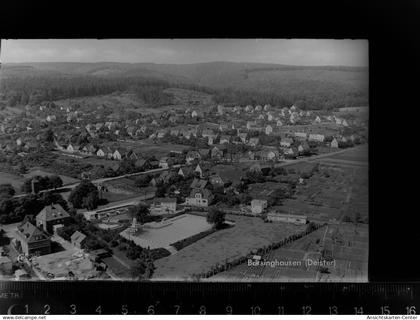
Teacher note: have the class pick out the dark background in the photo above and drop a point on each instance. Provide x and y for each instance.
(393, 33)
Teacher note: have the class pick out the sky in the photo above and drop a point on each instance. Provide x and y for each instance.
(184, 51)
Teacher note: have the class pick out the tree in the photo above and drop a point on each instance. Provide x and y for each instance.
(216, 217)
(55, 182)
(83, 190)
(91, 201)
(6, 191)
(140, 212)
(48, 135)
(142, 181)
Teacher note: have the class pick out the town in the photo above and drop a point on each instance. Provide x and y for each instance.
(215, 171)
(101, 198)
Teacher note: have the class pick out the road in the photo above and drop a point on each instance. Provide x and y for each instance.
(102, 180)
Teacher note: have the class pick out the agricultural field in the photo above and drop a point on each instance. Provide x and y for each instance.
(345, 244)
(147, 148)
(330, 194)
(249, 233)
(15, 180)
(359, 154)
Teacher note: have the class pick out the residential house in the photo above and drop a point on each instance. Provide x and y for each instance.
(258, 108)
(301, 135)
(51, 118)
(119, 154)
(217, 152)
(185, 171)
(279, 123)
(317, 119)
(199, 170)
(258, 206)
(243, 136)
(166, 162)
(78, 239)
(224, 139)
(267, 107)
(303, 147)
(199, 198)
(167, 205)
(268, 129)
(334, 143)
(73, 148)
(192, 155)
(33, 241)
(89, 149)
(161, 133)
(316, 137)
(254, 142)
(267, 155)
(286, 142)
(249, 108)
(198, 184)
(101, 153)
(221, 175)
(50, 216)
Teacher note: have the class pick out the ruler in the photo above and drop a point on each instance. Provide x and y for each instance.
(207, 298)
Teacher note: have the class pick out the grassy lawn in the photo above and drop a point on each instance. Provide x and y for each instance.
(15, 180)
(248, 234)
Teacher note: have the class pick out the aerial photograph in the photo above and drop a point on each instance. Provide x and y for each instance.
(199, 160)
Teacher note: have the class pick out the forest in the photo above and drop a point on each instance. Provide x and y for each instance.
(307, 95)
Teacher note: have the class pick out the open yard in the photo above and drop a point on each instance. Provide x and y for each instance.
(249, 233)
(178, 228)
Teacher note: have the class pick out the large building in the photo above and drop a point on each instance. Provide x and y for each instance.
(258, 206)
(50, 216)
(33, 241)
(164, 205)
(199, 198)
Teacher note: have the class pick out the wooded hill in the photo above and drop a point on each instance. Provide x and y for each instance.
(243, 83)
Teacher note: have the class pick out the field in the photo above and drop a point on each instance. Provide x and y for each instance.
(147, 148)
(15, 180)
(130, 102)
(347, 244)
(331, 193)
(249, 233)
(359, 154)
(180, 227)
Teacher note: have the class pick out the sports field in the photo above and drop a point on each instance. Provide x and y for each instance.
(178, 228)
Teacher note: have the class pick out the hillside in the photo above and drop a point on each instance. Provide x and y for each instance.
(333, 86)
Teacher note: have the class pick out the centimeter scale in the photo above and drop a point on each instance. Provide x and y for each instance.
(207, 298)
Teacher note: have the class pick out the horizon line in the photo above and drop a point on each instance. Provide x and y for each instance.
(192, 63)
